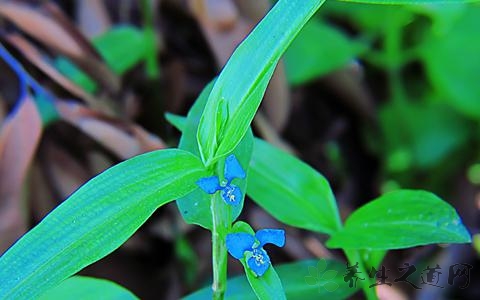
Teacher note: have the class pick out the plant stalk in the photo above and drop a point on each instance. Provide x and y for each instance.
(219, 250)
(353, 257)
(148, 8)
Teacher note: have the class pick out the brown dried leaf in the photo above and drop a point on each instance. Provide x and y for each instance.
(92, 62)
(268, 133)
(348, 85)
(385, 292)
(122, 138)
(34, 56)
(277, 101)
(218, 14)
(67, 173)
(19, 137)
(42, 28)
(92, 17)
(62, 36)
(41, 197)
(213, 16)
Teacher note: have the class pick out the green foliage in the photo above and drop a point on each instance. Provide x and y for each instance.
(426, 135)
(134, 48)
(121, 47)
(96, 220)
(401, 219)
(268, 286)
(179, 122)
(239, 89)
(424, 53)
(410, 1)
(87, 288)
(296, 286)
(195, 207)
(317, 50)
(107, 210)
(291, 191)
(72, 72)
(448, 57)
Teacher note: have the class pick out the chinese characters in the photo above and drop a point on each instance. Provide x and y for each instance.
(429, 276)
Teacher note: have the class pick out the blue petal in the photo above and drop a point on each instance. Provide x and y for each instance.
(209, 184)
(271, 236)
(238, 243)
(259, 262)
(233, 169)
(232, 195)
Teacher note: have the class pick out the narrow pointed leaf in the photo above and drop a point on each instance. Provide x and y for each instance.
(401, 219)
(290, 190)
(88, 288)
(266, 287)
(239, 88)
(177, 121)
(317, 50)
(195, 207)
(96, 220)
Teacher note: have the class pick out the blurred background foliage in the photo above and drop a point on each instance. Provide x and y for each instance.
(374, 97)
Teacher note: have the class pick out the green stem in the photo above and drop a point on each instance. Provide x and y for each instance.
(393, 52)
(152, 68)
(219, 250)
(353, 257)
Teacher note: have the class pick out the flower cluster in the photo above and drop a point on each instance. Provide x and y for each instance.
(231, 193)
(241, 245)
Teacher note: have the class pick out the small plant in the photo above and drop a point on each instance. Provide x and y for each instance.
(217, 163)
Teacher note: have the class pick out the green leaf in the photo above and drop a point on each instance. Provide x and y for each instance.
(87, 288)
(410, 1)
(291, 191)
(185, 253)
(296, 285)
(95, 220)
(401, 219)
(266, 287)
(195, 207)
(451, 65)
(241, 226)
(420, 135)
(318, 50)
(239, 89)
(121, 47)
(75, 74)
(372, 258)
(179, 122)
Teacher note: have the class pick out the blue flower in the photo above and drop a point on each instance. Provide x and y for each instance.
(231, 193)
(241, 245)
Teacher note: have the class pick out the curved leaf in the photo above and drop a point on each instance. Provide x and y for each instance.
(239, 89)
(266, 287)
(317, 50)
(87, 288)
(96, 220)
(296, 285)
(401, 219)
(410, 1)
(291, 191)
(195, 207)
(448, 56)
